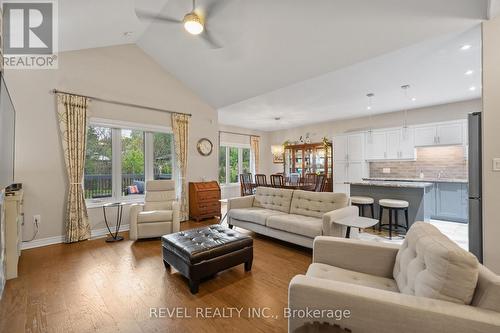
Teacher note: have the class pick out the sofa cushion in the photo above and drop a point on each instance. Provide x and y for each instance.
(429, 264)
(154, 216)
(323, 271)
(487, 293)
(253, 214)
(296, 224)
(273, 198)
(315, 204)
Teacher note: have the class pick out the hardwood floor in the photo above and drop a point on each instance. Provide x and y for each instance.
(95, 286)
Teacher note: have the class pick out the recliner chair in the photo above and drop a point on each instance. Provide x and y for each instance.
(159, 215)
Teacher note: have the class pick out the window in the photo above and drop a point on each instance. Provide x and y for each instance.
(162, 155)
(232, 162)
(222, 165)
(132, 162)
(98, 163)
(120, 160)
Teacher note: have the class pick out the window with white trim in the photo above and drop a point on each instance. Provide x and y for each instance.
(233, 161)
(120, 157)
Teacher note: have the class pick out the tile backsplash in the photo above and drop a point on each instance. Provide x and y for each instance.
(450, 160)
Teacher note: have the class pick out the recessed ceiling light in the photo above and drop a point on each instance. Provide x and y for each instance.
(469, 72)
(472, 88)
(465, 47)
(368, 107)
(413, 99)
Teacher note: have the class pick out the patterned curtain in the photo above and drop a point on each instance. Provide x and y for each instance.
(255, 148)
(180, 126)
(72, 113)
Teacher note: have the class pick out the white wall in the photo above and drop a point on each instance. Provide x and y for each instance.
(123, 73)
(491, 142)
(316, 132)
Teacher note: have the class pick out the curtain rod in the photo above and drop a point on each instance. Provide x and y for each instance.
(55, 91)
(243, 134)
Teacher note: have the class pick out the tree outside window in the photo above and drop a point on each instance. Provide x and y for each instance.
(140, 155)
(233, 161)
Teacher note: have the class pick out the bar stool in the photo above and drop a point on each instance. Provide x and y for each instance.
(361, 203)
(393, 206)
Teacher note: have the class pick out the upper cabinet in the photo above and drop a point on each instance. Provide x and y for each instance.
(445, 134)
(394, 144)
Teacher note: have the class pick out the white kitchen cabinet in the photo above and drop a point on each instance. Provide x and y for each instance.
(340, 172)
(376, 145)
(392, 144)
(407, 144)
(349, 160)
(355, 171)
(340, 148)
(450, 134)
(355, 147)
(443, 134)
(396, 144)
(425, 136)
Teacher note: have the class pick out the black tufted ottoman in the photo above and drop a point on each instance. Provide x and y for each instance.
(202, 252)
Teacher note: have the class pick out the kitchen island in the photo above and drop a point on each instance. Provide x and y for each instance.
(418, 195)
(448, 198)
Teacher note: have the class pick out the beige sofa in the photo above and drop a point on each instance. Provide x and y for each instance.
(159, 215)
(428, 284)
(291, 215)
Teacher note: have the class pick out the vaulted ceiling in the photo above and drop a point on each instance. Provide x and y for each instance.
(274, 45)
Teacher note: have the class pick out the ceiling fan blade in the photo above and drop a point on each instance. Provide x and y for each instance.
(215, 6)
(157, 17)
(209, 39)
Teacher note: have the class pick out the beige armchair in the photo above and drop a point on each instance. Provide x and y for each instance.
(427, 286)
(159, 215)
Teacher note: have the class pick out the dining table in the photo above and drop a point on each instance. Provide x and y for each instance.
(290, 186)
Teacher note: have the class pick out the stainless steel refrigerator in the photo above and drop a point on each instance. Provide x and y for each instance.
(475, 186)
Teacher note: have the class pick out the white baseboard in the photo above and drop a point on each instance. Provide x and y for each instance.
(94, 234)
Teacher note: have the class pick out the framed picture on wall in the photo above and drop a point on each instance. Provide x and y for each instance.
(278, 155)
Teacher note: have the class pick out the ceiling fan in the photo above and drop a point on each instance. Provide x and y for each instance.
(194, 22)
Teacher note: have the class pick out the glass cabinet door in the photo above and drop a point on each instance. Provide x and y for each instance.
(299, 157)
(319, 161)
(288, 160)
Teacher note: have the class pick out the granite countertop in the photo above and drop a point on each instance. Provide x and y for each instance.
(386, 183)
(427, 180)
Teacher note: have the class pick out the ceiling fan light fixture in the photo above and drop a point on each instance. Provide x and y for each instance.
(193, 23)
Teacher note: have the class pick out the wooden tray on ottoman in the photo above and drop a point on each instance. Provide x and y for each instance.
(202, 252)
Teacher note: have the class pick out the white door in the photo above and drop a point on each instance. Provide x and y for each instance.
(407, 144)
(450, 134)
(355, 147)
(340, 148)
(376, 147)
(425, 136)
(392, 144)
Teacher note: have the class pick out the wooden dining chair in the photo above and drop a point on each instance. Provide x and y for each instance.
(246, 184)
(294, 179)
(310, 179)
(261, 180)
(277, 181)
(320, 183)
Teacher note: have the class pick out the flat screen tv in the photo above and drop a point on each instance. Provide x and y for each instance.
(7, 136)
